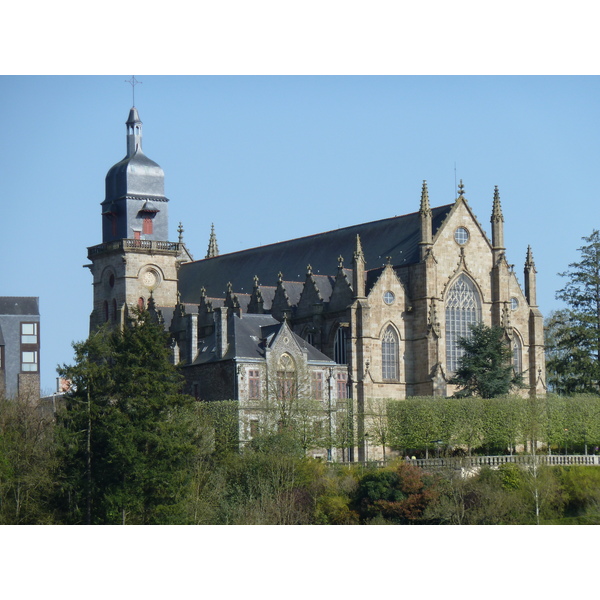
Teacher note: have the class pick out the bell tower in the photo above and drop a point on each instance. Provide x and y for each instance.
(135, 259)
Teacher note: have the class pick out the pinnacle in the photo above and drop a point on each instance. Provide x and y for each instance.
(358, 252)
(425, 208)
(529, 262)
(497, 208)
(213, 248)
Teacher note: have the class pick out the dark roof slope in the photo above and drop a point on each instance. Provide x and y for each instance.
(397, 237)
(247, 336)
(19, 305)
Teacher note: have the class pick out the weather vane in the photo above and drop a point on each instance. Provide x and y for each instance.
(133, 82)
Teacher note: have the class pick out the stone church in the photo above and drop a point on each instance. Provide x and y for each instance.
(341, 318)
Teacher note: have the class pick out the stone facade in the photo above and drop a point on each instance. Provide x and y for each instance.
(388, 324)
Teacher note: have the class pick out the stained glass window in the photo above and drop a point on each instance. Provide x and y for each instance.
(389, 355)
(463, 309)
(516, 354)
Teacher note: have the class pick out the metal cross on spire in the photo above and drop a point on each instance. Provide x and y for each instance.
(133, 82)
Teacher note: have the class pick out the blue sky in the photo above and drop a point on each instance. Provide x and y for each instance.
(269, 158)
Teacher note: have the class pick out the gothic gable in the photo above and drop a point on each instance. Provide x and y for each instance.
(310, 295)
(342, 294)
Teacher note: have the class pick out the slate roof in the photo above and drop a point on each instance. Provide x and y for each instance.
(247, 337)
(19, 305)
(397, 237)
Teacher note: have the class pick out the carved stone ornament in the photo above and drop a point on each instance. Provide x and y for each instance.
(433, 324)
(506, 323)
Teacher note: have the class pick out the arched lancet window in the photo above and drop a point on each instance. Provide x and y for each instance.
(463, 309)
(389, 355)
(339, 346)
(106, 310)
(114, 308)
(516, 354)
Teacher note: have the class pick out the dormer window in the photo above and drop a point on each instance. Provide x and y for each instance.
(147, 226)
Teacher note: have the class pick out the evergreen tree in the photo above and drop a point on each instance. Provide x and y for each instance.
(127, 436)
(576, 331)
(485, 369)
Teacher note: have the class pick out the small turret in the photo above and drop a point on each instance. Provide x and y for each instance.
(497, 221)
(530, 282)
(426, 223)
(134, 132)
(358, 274)
(213, 248)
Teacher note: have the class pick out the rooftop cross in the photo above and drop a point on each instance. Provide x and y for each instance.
(133, 82)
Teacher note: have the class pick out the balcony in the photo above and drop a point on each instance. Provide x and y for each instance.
(128, 245)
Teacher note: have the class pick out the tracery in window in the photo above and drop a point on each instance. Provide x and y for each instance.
(516, 354)
(463, 309)
(389, 355)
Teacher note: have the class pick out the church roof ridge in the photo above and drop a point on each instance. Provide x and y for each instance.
(397, 236)
(328, 232)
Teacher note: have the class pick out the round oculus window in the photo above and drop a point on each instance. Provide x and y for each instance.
(389, 297)
(514, 303)
(461, 236)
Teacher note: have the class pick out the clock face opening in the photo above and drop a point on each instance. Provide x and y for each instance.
(150, 278)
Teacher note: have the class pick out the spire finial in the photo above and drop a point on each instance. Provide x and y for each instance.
(180, 231)
(425, 208)
(309, 271)
(213, 247)
(529, 263)
(340, 262)
(497, 208)
(358, 252)
(133, 82)
(461, 190)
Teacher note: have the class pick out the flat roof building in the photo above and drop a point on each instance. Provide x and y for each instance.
(20, 347)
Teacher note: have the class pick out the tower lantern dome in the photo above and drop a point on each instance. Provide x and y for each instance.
(130, 184)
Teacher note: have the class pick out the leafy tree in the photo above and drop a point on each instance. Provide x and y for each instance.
(575, 361)
(26, 463)
(128, 439)
(377, 422)
(485, 369)
(563, 364)
(397, 494)
(264, 483)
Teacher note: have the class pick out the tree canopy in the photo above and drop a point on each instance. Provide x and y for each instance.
(127, 436)
(573, 334)
(485, 369)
